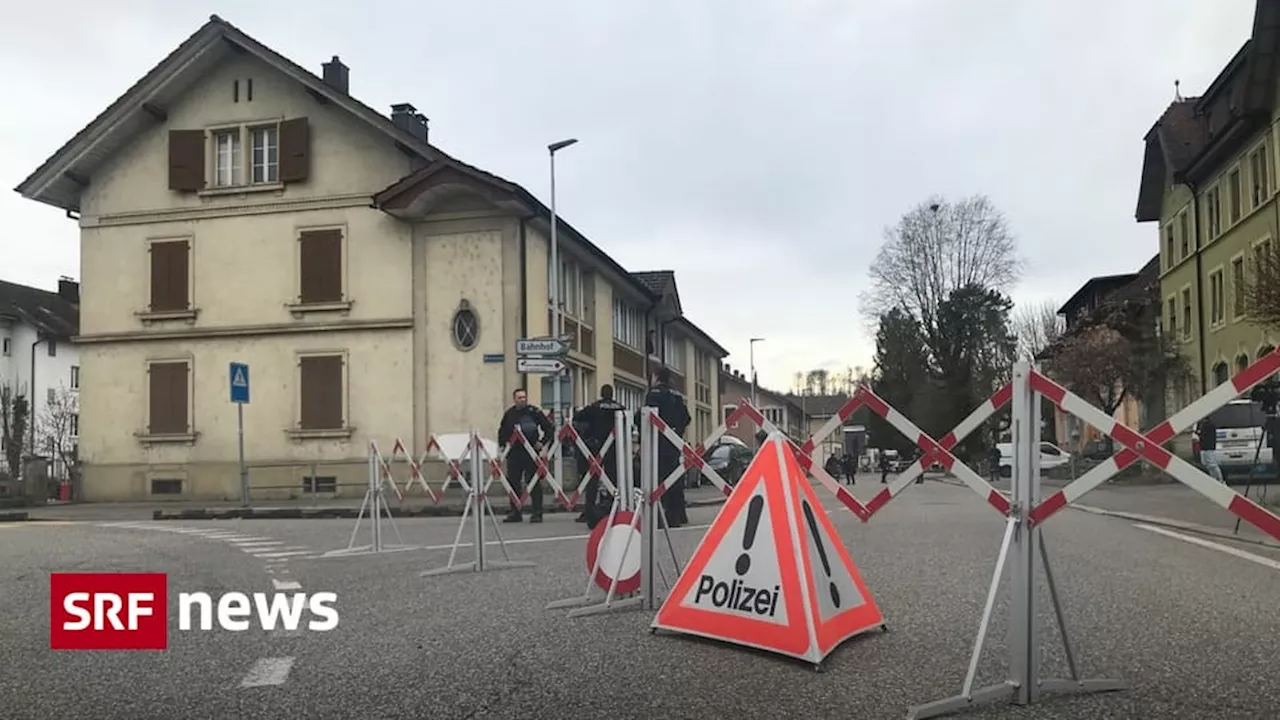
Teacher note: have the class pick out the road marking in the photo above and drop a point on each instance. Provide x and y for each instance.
(449, 546)
(1234, 552)
(247, 546)
(284, 554)
(267, 672)
(286, 584)
(248, 540)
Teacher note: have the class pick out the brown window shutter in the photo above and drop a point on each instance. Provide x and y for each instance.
(170, 289)
(295, 146)
(321, 382)
(168, 406)
(186, 160)
(160, 295)
(320, 266)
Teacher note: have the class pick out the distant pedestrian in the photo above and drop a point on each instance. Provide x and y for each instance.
(674, 411)
(1209, 448)
(521, 466)
(850, 466)
(884, 467)
(833, 466)
(594, 424)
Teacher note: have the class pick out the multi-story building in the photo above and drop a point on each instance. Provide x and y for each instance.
(784, 411)
(1209, 180)
(39, 362)
(234, 207)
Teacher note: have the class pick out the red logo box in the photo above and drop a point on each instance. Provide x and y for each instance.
(108, 611)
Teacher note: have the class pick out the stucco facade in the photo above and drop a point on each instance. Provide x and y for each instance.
(424, 241)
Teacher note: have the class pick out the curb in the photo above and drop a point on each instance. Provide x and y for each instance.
(1179, 525)
(13, 517)
(1208, 530)
(306, 513)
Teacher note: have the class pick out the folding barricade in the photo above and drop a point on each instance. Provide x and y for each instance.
(624, 587)
(375, 503)
(542, 467)
(484, 468)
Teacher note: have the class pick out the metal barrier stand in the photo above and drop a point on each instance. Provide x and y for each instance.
(646, 520)
(375, 502)
(477, 507)
(1024, 541)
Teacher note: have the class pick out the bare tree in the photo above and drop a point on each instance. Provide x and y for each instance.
(816, 381)
(57, 428)
(14, 417)
(1036, 326)
(937, 248)
(1262, 287)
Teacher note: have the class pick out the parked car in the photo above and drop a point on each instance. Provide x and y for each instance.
(729, 457)
(1051, 456)
(1239, 425)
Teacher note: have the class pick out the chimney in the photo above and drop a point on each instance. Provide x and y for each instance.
(337, 76)
(69, 290)
(407, 118)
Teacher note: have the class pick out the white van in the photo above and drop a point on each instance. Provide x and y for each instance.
(1239, 425)
(1051, 456)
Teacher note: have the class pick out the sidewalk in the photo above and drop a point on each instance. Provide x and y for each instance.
(450, 505)
(1170, 504)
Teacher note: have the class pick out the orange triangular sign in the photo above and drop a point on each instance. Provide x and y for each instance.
(771, 572)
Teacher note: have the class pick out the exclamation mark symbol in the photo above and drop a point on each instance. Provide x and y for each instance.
(822, 552)
(749, 536)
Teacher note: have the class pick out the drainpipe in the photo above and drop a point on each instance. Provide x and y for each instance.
(31, 398)
(524, 294)
(1195, 206)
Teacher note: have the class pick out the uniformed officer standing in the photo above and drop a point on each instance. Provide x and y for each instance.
(594, 423)
(675, 413)
(521, 467)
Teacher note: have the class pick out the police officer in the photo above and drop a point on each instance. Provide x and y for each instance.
(520, 464)
(594, 423)
(675, 413)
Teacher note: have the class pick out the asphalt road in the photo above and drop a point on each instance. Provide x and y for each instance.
(1192, 627)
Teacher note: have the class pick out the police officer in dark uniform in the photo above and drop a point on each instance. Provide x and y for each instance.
(675, 413)
(594, 423)
(521, 467)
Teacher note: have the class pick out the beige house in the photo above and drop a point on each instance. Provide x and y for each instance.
(234, 207)
(783, 410)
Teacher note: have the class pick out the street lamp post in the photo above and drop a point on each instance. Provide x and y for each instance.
(755, 390)
(557, 317)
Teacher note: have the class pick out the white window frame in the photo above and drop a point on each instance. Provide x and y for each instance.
(631, 396)
(1184, 234)
(1187, 308)
(1238, 310)
(75, 377)
(1260, 157)
(1217, 297)
(241, 155)
(1174, 326)
(1235, 195)
(674, 351)
(628, 324)
(6, 347)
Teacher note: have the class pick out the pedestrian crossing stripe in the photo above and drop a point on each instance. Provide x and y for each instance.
(28, 523)
(238, 380)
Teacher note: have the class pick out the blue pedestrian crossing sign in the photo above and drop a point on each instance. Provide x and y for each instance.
(239, 383)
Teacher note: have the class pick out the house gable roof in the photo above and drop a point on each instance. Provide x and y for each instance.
(663, 284)
(417, 192)
(61, 178)
(47, 312)
(1094, 284)
(1195, 135)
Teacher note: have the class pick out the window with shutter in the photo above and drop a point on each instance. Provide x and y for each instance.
(320, 266)
(321, 389)
(170, 275)
(167, 414)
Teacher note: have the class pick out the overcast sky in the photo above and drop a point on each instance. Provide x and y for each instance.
(756, 148)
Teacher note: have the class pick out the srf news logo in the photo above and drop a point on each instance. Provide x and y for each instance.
(129, 611)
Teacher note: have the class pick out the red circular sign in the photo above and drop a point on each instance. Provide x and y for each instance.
(613, 536)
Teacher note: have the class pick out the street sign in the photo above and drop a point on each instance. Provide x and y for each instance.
(239, 383)
(539, 365)
(541, 346)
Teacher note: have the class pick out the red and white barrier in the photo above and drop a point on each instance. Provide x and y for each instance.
(1149, 446)
(542, 467)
